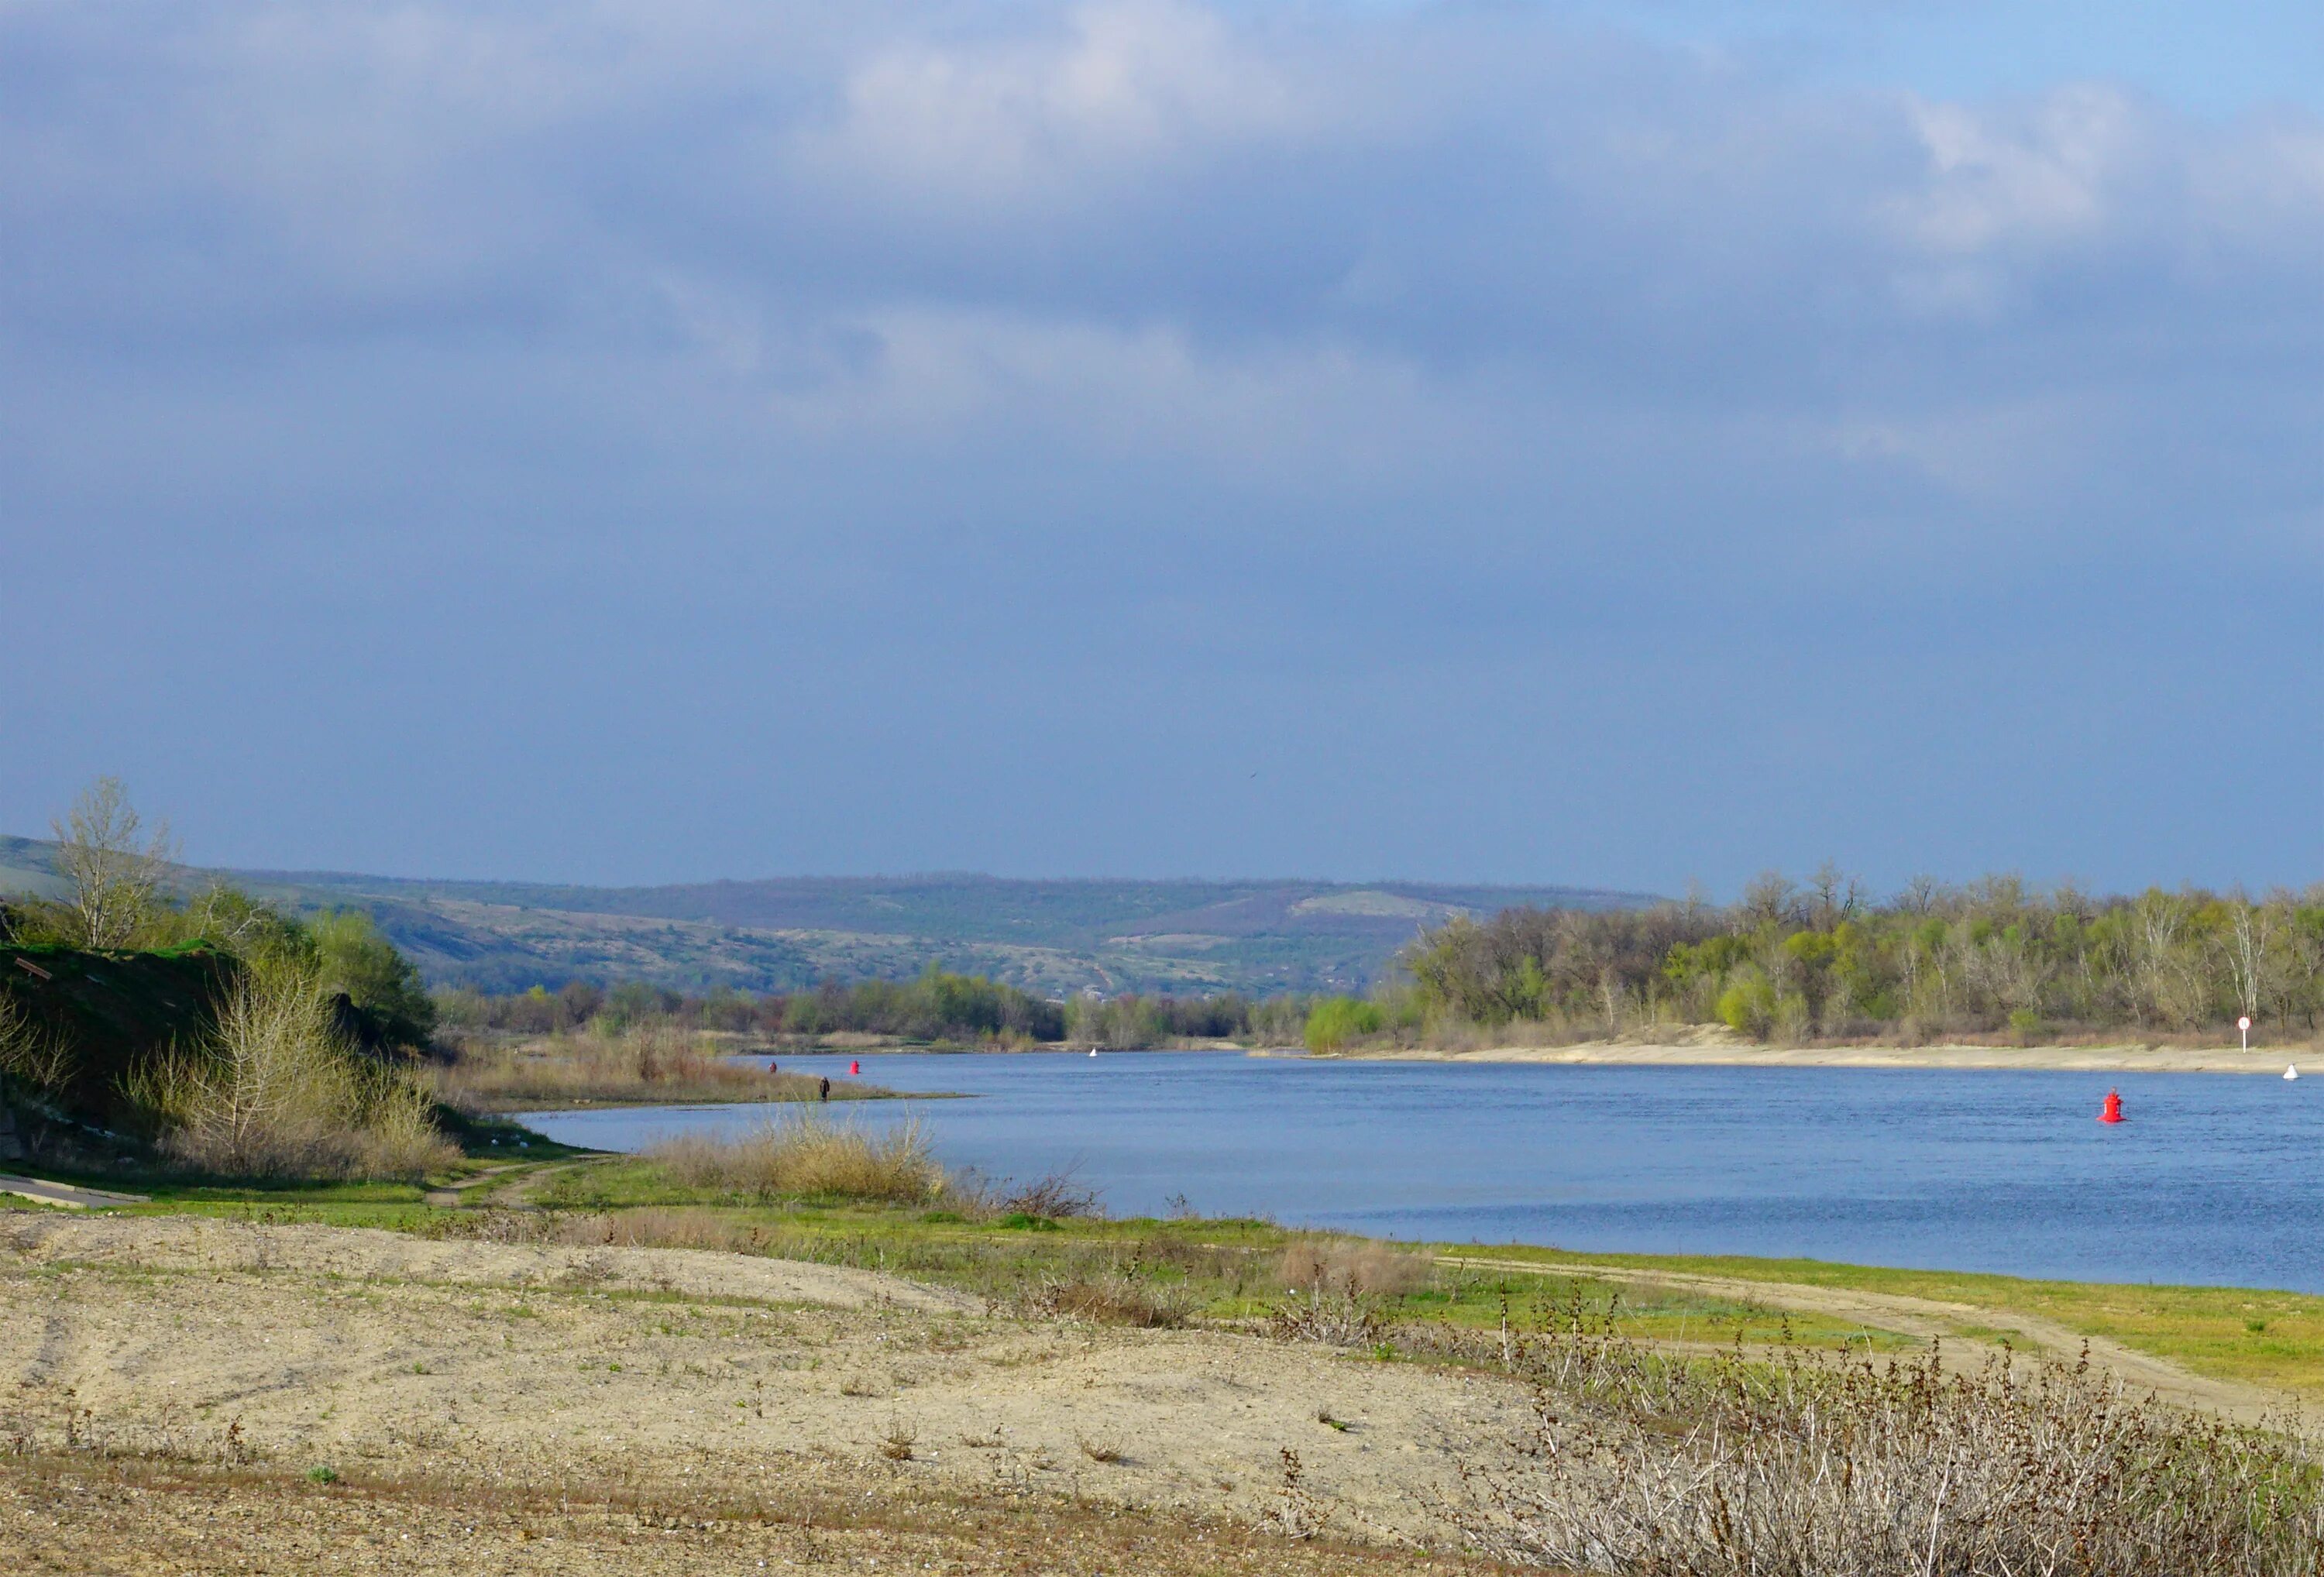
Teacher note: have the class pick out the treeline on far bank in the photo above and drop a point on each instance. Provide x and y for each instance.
(936, 1008)
(1787, 963)
(1793, 962)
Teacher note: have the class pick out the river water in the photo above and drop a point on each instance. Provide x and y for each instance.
(2215, 1178)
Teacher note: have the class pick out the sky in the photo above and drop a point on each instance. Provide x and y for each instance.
(1627, 445)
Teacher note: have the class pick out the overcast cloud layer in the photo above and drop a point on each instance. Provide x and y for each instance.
(639, 441)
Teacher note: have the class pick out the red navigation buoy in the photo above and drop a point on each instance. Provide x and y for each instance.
(856, 1067)
(2112, 1111)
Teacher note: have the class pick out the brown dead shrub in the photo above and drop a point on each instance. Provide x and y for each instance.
(1354, 1267)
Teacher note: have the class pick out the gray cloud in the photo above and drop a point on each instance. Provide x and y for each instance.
(1197, 354)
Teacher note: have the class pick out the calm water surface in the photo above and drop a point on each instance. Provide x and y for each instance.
(2215, 1178)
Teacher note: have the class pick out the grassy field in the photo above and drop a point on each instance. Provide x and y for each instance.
(2255, 1337)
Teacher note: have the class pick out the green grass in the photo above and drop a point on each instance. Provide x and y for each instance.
(2205, 1330)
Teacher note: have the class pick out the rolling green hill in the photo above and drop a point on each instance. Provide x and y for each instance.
(785, 933)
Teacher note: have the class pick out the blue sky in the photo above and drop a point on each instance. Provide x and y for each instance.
(1612, 444)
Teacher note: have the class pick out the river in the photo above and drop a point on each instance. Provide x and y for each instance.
(2215, 1178)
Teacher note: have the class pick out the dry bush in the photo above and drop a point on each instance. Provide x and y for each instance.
(1053, 1196)
(1828, 1466)
(654, 1228)
(395, 1133)
(40, 1057)
(1354, 1267)
(808, 1153)
(274, 1092)
(1113, 1297)
(1335, 1319)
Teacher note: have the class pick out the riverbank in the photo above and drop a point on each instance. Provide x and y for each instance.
(497, 1400)
(2096, 1059)
(690, 1378)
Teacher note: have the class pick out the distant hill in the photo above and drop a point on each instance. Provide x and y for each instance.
(787, 933)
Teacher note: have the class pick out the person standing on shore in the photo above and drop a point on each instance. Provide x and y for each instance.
(822, 1091)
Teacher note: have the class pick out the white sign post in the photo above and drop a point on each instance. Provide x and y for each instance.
(2244, 1024)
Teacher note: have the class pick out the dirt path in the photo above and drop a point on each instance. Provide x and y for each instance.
(66, 1193)
(1959, 1325)
(450, 1193)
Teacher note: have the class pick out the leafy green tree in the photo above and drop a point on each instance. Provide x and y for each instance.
(352, 955)
(1335, 1021)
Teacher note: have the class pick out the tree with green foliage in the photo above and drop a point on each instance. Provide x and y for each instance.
(1335, 1021)
(1993, 957)
(352, 956)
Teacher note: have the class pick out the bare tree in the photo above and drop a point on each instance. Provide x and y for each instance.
(2250, 949)
(115, 875)
(1833, 896)
(2157, 919)
(1922, 896)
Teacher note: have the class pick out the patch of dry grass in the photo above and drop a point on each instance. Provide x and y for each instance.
(807, 1154)
(1113, 1298)
(645, 1064)
(1823, 1465)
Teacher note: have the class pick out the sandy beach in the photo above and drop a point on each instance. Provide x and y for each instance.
(2095, 1059)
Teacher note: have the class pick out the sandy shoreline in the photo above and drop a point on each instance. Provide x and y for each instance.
(2107, 1060)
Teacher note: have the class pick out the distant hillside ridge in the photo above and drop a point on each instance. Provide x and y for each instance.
(1053, 937)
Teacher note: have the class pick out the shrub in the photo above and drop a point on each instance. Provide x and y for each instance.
(1335, 1021)
(354, 958)
(1354, 1267)
(1749, 1005)
(1114, 1298)
(40, 1057)
(1820, 1466)
(273, 1093)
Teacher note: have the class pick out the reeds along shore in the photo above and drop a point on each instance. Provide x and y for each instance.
(654, 1062)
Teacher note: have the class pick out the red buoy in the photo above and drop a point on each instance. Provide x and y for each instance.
(2112, 1111)
(856, 1067)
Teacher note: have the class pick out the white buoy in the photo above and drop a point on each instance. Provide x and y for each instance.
(2290, 1071)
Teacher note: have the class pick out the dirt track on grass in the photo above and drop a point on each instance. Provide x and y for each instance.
(1932, 1319)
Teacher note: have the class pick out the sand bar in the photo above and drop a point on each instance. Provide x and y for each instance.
(2096, 1059)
